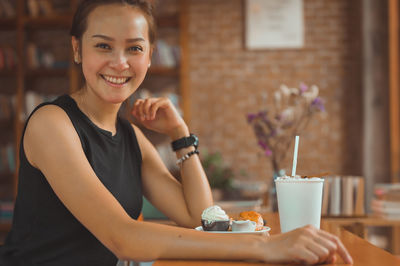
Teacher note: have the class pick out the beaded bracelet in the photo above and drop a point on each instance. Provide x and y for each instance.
(186, 156)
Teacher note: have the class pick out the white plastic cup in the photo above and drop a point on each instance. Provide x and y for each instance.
(299, 202)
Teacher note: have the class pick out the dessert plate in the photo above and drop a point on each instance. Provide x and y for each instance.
(265, 229)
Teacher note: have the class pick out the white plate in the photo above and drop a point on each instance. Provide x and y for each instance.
(265, 229)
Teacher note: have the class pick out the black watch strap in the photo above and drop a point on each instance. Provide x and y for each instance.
(185, 142)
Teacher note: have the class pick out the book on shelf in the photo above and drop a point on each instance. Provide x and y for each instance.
(165, 55)
(7, 158)
(385, 206)
(325, 197)
(7, 10)
(343, 196)
(46, 7)
(38, 8)
(33, 99)
(8, 58)
(334, 204)
(37, 58)
(347, 196)
(386, 201)
(6, 210)
(7, 107)
(390, 192)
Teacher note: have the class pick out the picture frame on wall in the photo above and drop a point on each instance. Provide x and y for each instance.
(274, 24)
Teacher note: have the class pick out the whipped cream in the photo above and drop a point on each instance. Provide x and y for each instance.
(214, 213)
(298, 178)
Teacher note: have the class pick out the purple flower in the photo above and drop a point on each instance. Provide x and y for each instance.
(251, 117)
(262, 144)
(262, 114)
(303, 88)
(318, 103)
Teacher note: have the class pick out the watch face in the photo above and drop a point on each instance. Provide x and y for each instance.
(185, 142)
(193, 140)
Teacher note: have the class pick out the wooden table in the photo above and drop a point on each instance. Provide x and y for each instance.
(363, 253)
(359, 226)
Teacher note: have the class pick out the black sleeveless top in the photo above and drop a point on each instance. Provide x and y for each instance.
(44, 232)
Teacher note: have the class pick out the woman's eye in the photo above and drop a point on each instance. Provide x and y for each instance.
(103, 46)
(135, 49)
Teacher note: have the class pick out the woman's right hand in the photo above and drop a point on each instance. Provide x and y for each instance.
(305, 245)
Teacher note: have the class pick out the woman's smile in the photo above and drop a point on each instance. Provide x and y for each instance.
(115, 81)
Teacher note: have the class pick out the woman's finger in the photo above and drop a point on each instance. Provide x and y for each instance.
(160, 103)
(143, 108)
(305, 255)
(137, 109)
(326, 242)
(341, 250)
(146, 107)
(332, 259)
(319, 250)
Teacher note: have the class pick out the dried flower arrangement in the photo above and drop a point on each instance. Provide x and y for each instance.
(276, 126)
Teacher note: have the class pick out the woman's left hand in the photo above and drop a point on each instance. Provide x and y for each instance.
(158, 114)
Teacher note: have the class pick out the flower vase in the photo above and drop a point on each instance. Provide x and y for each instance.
(272, 191)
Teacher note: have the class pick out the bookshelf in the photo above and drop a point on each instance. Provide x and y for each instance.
(20, 79)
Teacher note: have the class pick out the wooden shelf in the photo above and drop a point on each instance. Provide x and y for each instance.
(165, 71)
(8, 73)
(50, 22)
(6, 177)
(8, 23)
(168, 21)
(47, 72)
(5, 225)
(6, 123)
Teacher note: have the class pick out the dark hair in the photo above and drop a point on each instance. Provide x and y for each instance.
(79, 22)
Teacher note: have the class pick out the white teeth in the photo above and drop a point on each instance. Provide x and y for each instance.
(115, 80)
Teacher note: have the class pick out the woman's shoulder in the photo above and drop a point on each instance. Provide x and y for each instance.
(49, 126)
(48, 115)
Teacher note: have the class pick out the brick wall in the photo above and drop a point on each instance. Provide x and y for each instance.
(227, 81)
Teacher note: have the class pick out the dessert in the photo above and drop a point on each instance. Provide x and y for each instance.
(243, 226)
(253, 216)
(215, 219)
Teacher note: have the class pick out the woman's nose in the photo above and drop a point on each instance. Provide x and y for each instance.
(119, 61)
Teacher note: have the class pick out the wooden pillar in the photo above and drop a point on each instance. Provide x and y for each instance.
(375, 95)
(184, 90)
(394, 86)
(18, 127)
(394, 83)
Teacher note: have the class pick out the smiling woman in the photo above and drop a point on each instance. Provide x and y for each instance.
(84, 170)
(115, 57)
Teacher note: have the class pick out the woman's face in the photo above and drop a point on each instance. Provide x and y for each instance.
(115, 51)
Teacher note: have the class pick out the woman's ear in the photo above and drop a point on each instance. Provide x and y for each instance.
(75, 49)
(150, 55)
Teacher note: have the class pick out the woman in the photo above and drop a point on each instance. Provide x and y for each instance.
(84, 170)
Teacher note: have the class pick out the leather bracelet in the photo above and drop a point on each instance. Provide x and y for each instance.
(186, 156)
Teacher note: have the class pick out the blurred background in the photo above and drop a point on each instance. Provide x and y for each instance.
(332, 78)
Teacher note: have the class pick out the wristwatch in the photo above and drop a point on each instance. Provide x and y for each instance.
(185, 142)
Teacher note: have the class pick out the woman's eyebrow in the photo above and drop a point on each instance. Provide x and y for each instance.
(139, 39)
(135, 40)
(102, 37)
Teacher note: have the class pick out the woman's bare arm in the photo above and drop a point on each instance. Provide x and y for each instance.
(181, 202)
(53, 146)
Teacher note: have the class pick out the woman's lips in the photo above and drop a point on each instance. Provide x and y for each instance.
(115, 81)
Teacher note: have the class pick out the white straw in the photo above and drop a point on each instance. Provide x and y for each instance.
(296, 149)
